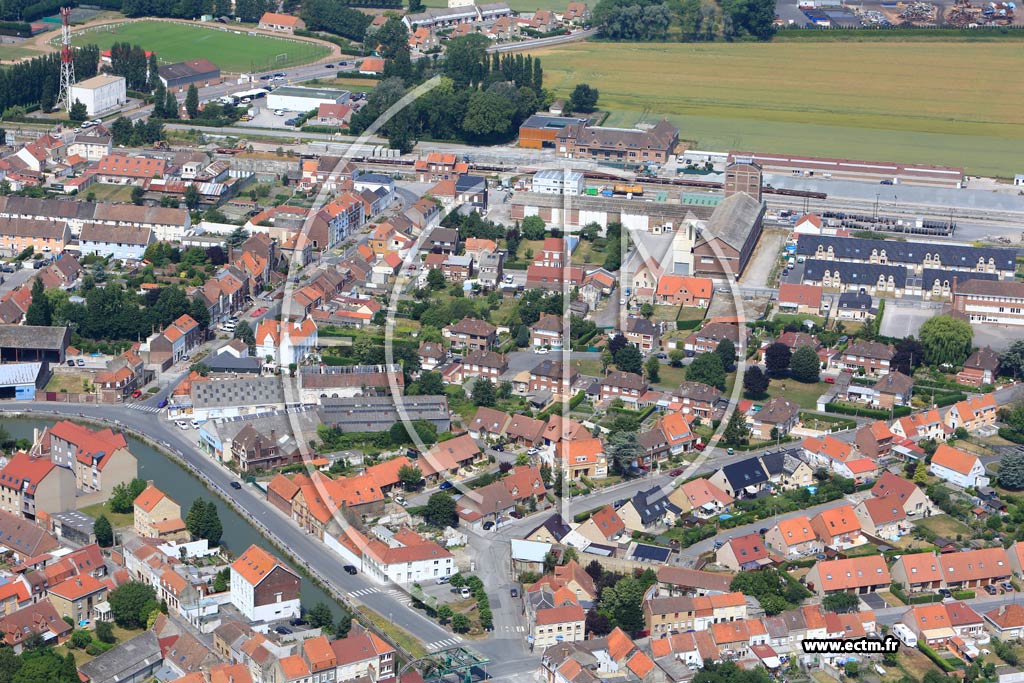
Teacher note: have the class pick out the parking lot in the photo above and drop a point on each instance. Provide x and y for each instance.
(904, 318)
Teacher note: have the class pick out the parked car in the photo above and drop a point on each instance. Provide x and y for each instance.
(235, 485)
(136, 393)
(465, 592)
(990, 589)
(676, 472)
(351, 569)
(446, 485)
(71, 362)
(401, 501)
(1007, 586)
(298, 621)
(283, 630)
(488, 526)
(441, 580)
(162, 403)
(514, 592)
(80, 362)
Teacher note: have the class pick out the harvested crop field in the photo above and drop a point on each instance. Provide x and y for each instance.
(925, 102)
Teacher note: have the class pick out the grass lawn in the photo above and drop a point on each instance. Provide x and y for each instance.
(665, 313)
(586, 366)
(81, 656)
(117, 519)
(70, 382)
(911, 102)
(670, 377)
(943, 525)
(356, 84)
(399, 635)
(804, 395)
(110, 193)
(586, 252)
(787, 318)
(533, 246)
(230, 49)
(12, 52)
(691, 313)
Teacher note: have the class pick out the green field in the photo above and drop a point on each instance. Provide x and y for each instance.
(232, 50)
(15, 52)
(925, 102)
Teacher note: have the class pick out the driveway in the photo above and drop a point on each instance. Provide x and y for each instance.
(765, 256)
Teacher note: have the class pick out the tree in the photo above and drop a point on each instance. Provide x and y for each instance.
(632, 20)
(675, 358)
(123, 496)
(79, 112)
(192, 101)
(1012, 359)
(460, 623)
(440, 511)
(1011, 470)
(647, 310)
(921, 472)
(105, 632)
(415, 6)
(192, 197)
(203, 521)
(532, 228)
(104, 532)
(137, 194)
(840, 602)
(80, 639)
(222, 580)
(653, 370)
(320, 616)
(707, 369)
(629, 359)
(583, 98)
(245, 332)
(946, 340)
(624, 451)
(597, 624)
(489, 116)
(755, 382)
(39, 312)
(727, 350)
(435, 279)
(131, 603)
(444, 613)
(736, 431)
(483, 392)
(805, 365)
(410, 476)
(622, 604)
(777, 358)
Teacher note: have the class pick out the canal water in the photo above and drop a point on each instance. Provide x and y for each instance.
(184, 488)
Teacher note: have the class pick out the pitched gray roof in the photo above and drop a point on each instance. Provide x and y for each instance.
(32, 337)
(865, 274)
(124, 662)
(733, 219)
(950, 255)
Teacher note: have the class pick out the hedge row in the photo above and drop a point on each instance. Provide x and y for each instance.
(843, 409)
(1011, 435)
(687, 324)
(934, 656)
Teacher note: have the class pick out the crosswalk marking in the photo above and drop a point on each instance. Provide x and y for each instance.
(401, 597)
(444, 644)
(142, 408)
(363, 591)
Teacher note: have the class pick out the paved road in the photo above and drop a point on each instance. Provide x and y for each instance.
(543, 42)
(385, 600)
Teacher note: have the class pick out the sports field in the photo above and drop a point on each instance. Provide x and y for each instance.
(950, 103)
(232, 49)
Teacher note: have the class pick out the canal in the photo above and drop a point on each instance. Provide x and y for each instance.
(185, 488)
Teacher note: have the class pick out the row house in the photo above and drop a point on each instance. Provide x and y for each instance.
(692, 613)
(838, 528)
(174, 342)
(706, 339)
(924, 425)
(940, 624)
(794, 537)
(701, 498)
(484, 364)
(547, 332)
(698, 399)
(904, 493)
(554, 377)
(100, 459)
(856, 575)
(626, 386)
(871, 357)
(973, 414)
(286, 343)
(470, 334)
